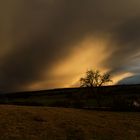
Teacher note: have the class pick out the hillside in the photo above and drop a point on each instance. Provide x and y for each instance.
(44, 123)
(113, 97)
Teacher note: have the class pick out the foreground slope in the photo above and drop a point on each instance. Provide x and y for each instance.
(43, 123)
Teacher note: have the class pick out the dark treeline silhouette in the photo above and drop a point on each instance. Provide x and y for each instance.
(118, 97)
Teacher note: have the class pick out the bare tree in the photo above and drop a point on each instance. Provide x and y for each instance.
(95, 79)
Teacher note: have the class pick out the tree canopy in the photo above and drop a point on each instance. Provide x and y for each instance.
(95, 79)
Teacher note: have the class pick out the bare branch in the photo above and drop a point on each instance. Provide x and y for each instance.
(94, 79)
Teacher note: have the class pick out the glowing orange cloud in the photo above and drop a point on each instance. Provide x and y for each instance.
(88, 54)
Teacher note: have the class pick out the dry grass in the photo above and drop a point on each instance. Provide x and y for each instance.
(44, 123)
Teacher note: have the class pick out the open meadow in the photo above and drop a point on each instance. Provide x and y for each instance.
(48, 123)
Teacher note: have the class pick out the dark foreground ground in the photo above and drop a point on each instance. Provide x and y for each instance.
(46, 123)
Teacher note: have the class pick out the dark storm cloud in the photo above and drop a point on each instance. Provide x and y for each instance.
(130, 80)
(40, 33)
(126, 44)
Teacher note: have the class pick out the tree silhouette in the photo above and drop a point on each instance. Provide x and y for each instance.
(95, 79)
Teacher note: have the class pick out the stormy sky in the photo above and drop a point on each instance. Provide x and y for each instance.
(51, 43)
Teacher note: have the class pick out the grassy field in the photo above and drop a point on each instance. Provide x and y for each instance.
(46, 123)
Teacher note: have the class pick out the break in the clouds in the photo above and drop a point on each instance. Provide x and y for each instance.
(51, 43)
